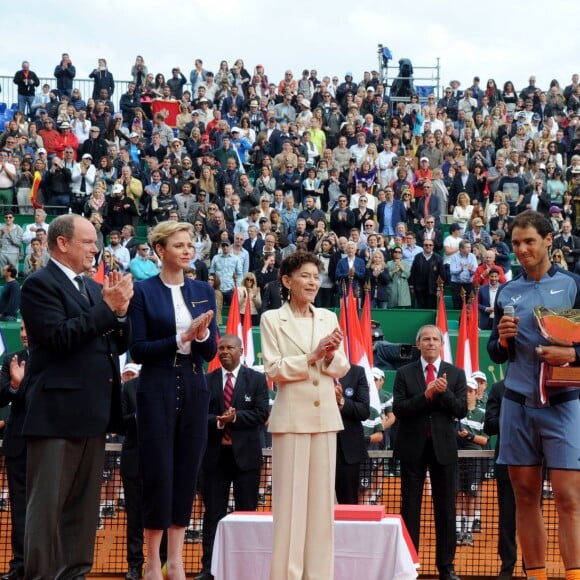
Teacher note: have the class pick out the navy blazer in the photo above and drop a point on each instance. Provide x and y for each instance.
(342, 271)
(72, 383)
(483, 302)
(13, 444)
(416, 414)
(251, 402)
(351, 441)
(153, 319)
(399, 214)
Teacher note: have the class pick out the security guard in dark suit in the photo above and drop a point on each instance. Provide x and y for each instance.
(234, 451)
(353, 399)
(14, 449)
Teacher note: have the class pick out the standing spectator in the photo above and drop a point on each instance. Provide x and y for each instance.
(399, 293)
(73, 325)
(27, 81)
(429, 396)
(65, 72)
(238, 407)
(7, 179)
(10, 298)
(226, 266)
(462, 267)
(10, 241)
(103, 79)
(426, 269)
(176, 83)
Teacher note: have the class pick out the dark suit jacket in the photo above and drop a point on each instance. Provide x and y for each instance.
(274, 144)
(153, 319)
(255, 252)
(434, 209)
(342, 271)
(351, 441)
(416, 414)
(251, 402)
(72, 383)
(457, 187)
(13, 443)
(483, 302)
(438, 239)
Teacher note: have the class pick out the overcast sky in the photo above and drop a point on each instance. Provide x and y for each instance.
(492, 39)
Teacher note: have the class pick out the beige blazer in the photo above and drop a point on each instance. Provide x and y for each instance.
(305, 402)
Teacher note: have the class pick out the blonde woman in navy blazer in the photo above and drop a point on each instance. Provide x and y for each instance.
(174, 333)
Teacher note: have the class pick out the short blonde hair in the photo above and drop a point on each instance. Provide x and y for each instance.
(163, 231)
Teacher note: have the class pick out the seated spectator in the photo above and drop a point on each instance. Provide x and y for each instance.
(10, 298)
(39, 222)
(10, 241)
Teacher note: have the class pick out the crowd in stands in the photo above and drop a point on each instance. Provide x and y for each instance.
(261, 168)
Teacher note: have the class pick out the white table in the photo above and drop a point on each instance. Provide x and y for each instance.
(371, 550)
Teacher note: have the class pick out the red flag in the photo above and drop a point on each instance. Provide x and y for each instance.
(234, 323)
(357, 354)
(463, 358)
(215, 363)
(342, 324)
(442, 325)
(100, 275)
(34, 189)
(169, 110)
(474, 334)
(366, 328)
(247, 334)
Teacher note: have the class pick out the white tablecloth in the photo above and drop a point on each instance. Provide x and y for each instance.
(367, 550)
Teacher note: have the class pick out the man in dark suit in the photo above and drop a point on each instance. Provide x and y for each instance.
(429, 396)
(353, 399)
(463, 181)
(254, 246)
(238, 406)
(426, 269)
(132, 482)
(430, 232)
(429, 205)
(14, 450)
(486, 301)
(76, 331)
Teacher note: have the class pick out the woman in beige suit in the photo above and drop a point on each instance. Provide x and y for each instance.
(302, 349)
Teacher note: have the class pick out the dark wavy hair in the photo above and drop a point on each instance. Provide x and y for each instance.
(294, 262)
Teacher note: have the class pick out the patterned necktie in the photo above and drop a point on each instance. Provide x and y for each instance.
(82, 287)
(430, 377)
(228, 396)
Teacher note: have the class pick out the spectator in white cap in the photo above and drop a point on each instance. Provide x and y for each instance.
(481, 380)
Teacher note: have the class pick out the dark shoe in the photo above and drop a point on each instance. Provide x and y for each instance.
(203, 576)
(505, 575)
(261, 499)
(476, 526)
(12, 575)
(133, 574)
(458, 538)
(108, 511)
(467, 539)
(449, 575)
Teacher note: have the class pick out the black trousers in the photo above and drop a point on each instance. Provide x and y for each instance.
(133, 487)
(63, 478)
(506, 545)
(443, 484)
(216, 491)
(347, 480)
(16, 475)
